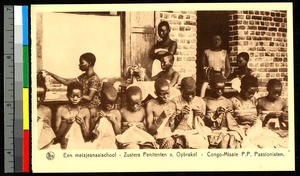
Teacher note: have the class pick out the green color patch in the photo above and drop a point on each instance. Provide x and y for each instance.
(25, 67)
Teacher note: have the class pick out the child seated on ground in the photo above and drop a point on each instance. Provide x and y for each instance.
(272, 108)
(134, 133)
(190, 129)
(168, 73)
(244, 104)
(46, 134)
(225, 131)
(161, 114)
(106, 120)
(73, 120)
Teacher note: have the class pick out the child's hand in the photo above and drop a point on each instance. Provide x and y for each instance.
(101, 114)
(172, 118)
(185, 110)
(220, 110)
(112, 119)
(70, 120)
(94, 119)
(140, 126)
(198, 113)
(45, 72)
(80, 121)
(169, 112)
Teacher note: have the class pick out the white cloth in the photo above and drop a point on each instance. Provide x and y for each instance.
(216, 59)
(134, 135)
(156, 67)
(106, 135)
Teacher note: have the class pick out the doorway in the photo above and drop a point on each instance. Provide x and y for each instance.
(208, 24)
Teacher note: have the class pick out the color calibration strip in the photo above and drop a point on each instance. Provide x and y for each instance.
(21, 87)
(26, 133)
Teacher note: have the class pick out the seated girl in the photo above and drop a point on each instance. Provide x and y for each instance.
(273, 108)
(226, 132)
(46, 134)
(190, 130)
(72, 120)
(134, 133)
(106, 120)
(244, 104)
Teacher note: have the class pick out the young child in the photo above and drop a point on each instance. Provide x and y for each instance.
(46, 134)
(191, 110)
(244, 104)
(163, 46)
(73, 120)
(242, 60)
(216, 57)
(161, 114)
(134, 135)
(168, 73)
(89, 79)
(106, 120)
(225, 130)
(272, 108)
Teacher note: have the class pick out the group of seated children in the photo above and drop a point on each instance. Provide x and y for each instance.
(186, 121)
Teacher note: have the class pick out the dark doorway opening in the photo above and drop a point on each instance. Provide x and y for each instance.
(208, 24)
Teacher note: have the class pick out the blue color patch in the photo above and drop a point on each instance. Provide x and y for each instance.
(25, 24)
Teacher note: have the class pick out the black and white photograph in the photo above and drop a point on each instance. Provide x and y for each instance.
(134, 83)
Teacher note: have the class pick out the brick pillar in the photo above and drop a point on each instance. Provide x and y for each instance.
(184, 31)
(263, 34)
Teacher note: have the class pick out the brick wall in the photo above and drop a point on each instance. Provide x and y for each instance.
(263, 34)
(184, 31)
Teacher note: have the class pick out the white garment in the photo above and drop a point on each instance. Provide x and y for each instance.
(216, 59)
(156, 67)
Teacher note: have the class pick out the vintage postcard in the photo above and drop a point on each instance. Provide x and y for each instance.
(162, 87)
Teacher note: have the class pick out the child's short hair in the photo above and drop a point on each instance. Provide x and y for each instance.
(109, 91)
(164, 23)
(188, 83)
(244, 55)
(133, 90)
(160, 82)
(166, 54)
(217, 34)
(74, 85)
(273, 82)
(249, 81)
(216, 79)
(89, 57)
(40, 80)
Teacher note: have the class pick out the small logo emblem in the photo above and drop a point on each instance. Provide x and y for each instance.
(50, 155)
